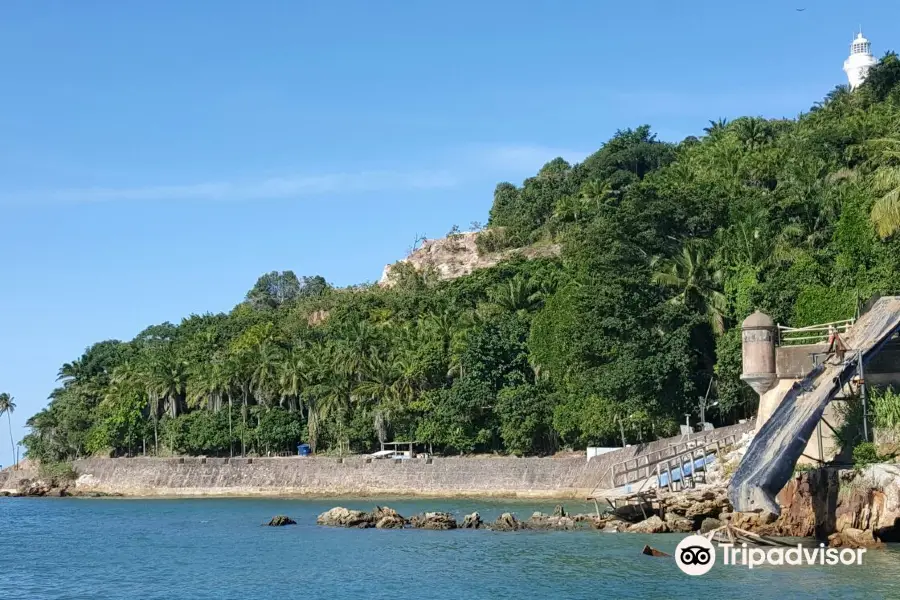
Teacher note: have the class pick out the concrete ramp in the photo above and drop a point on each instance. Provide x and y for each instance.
(770, 460)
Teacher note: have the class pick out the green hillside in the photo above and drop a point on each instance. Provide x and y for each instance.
(665, 248)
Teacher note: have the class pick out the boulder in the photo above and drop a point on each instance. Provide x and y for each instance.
(344, 517)
(390, 522)
(554, 522)
(281, 521)
(703, 510)
(612, 525)
(472, 521)
(709, 524)
(507, 522)
(652, 525)
(33, 487)
(434, 520)
(388, 518)
(583, 517)
(677, 524)
(761, 523)
(853, 538)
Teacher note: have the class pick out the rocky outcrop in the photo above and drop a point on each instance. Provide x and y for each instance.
(827, 501)
(709, 524)
(457, 255)
(388, 518)
(678, 524)
(434, 520)
(696, 505)
(281, 521)
(34, 487)
(344, 517)
(472, 521)
(554, 522)
(652, 525)
(507, 522)
(854, 538)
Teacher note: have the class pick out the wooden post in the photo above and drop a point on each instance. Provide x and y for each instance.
(865, 397)
(819, 438)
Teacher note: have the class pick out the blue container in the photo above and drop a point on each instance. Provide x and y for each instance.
(303, 450)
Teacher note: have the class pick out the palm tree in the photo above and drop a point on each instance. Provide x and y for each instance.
(716, 127)
(70, 373)
(753, 131)
(8, 406)
(566, 209)
(380, 386)
(264, 373)
(519, 294)
(697, 281)
(885, 213)
(596, 191)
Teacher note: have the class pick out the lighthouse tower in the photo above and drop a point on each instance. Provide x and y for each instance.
(859, 62)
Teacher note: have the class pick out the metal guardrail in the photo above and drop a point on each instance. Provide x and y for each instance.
(642, 467)
(813, 334)
(689, 458)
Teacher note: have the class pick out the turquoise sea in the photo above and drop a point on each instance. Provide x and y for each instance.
(217, 548)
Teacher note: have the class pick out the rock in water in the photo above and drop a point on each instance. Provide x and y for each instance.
(344, 517)
(853, 538)
(559, 511)
(652, 525)
(677, 524)
(281, 521)
(555, 522)
(653, 552)
(507, 522)
(472, 521)
(388, 518)
(434, 520)
(709, 524)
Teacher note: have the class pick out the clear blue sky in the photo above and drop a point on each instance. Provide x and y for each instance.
(156, 157)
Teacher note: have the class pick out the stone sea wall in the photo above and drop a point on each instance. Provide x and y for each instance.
(572, 477)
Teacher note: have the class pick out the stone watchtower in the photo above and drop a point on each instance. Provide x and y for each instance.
(758, 352)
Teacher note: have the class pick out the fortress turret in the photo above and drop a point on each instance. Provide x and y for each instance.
(758, 352)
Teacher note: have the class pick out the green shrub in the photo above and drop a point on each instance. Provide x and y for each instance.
(886, 407)
(57, 471)
(865, 454)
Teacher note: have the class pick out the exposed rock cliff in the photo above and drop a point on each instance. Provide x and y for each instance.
(457, 255)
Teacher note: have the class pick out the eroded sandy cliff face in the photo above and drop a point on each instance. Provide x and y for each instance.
(457, 255)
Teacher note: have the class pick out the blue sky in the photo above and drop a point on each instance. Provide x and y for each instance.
(156, 157)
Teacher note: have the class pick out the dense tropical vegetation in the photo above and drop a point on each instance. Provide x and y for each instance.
(665, 248)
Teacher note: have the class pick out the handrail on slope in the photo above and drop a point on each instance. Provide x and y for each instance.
(633, 474)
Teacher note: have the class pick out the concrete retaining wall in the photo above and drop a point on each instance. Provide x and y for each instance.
(493, 476)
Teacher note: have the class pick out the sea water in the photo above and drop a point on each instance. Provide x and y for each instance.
(218, 548)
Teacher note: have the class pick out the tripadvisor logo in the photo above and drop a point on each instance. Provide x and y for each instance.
(696, 555)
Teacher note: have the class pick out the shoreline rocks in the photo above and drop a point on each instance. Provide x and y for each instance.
(52, 488)
(438, 521)
(472, 521)
(344, 517)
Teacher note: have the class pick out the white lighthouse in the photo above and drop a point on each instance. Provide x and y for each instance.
(859, 62)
